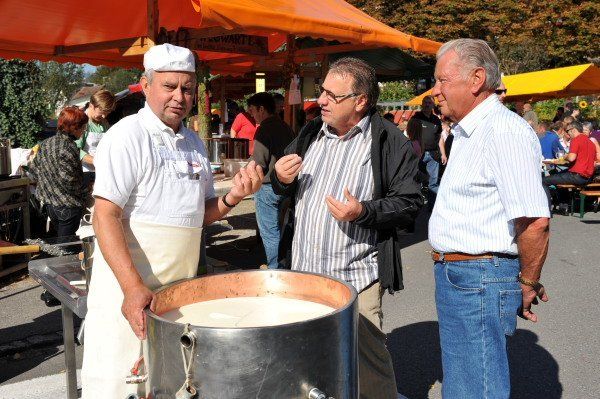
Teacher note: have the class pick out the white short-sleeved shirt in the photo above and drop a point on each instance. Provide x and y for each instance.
(492, 178)
(152, 173)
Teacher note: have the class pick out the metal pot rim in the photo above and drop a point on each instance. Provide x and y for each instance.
(353, 297)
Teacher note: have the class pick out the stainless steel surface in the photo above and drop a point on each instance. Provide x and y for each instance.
(14, 196)
(218, 149)
(232, 166)
(221, 148)
(55, 275)
(88, 244)
(5, 165)
(80, 333)
(316, 393)
(69, 341)
(284, 361)
(136, 379)
(239, 148)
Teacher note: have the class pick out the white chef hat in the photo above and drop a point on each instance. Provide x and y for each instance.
(166, 57)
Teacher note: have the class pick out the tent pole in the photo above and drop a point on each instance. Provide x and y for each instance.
(152, 21)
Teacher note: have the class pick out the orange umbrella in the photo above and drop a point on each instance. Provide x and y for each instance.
(117, 32)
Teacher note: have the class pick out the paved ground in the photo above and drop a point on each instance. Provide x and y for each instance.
(557, 358)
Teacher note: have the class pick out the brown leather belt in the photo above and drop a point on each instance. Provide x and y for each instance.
(458, 256)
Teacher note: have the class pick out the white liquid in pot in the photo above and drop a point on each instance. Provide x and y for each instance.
(247, 312)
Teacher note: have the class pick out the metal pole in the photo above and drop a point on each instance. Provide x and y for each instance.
(69, 342)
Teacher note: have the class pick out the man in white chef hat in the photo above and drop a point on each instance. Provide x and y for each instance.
(154, 192)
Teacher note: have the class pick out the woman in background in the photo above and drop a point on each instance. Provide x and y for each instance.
(413, 131)
(57, 171)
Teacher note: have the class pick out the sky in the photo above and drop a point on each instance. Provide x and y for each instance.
(88, 69)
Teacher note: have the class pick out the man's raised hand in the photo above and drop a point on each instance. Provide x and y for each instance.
(288, 167)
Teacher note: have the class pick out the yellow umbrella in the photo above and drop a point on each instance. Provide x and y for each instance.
(564, 82)
(578, 80)
(416, 102)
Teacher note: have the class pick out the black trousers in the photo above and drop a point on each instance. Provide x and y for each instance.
(562, 178)
(65, 219)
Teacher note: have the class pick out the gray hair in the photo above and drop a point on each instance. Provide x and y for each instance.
(364, 77)
(475, 53)
(587, 125)
(149, 74)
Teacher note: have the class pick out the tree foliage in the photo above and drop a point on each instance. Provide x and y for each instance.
(546, 110)
(556, 32)
(397, 91)
(59, 83)
(115, 79)
(22, 103)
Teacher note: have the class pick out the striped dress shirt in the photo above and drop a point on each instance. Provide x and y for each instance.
(322, 244)
(493, 177)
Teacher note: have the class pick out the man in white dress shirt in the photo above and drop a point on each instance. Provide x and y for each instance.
(154, 192)
(490, 225)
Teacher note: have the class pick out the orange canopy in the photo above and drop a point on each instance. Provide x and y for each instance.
(116, 32)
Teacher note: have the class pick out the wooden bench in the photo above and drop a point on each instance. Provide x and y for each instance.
(583, 194)
(572, 190)
(584, 191)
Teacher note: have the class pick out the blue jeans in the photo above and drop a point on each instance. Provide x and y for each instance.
(433, 169)
(477, 303)
(65, 219)
(267, 217)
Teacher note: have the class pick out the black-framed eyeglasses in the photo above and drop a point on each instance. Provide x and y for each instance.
(335, 97)
(500, 91)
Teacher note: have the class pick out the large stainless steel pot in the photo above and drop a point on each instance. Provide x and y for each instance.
(315, 358)
(218, 149)
(5, 165)
(239, 148)
(88, 244)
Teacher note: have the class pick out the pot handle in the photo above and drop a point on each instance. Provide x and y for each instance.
(316, 393)
(135, 377)
(188, 344)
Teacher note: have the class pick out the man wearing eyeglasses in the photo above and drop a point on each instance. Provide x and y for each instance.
(582, 154)
(351, 178)
(501, 92)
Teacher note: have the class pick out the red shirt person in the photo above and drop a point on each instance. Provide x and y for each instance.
(244, 127)
(582, 153)
(585, 154)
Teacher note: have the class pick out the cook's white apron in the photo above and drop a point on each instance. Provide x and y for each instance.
(162, 254)
(91, 144)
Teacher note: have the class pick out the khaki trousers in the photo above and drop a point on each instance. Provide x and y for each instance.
(375, 368)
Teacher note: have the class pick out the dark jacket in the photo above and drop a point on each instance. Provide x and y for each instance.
(57, 170)
(396, 195)
(272, 137)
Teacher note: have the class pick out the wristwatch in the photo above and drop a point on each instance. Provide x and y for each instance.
(227, 204)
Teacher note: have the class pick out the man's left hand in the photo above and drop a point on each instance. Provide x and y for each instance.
(247, 181)
(344, 212)
(530, 297)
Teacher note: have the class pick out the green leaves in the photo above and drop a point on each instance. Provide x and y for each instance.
(397, 91)
(115, 79)
(565, 32)
(59, 83)
(21, 102)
